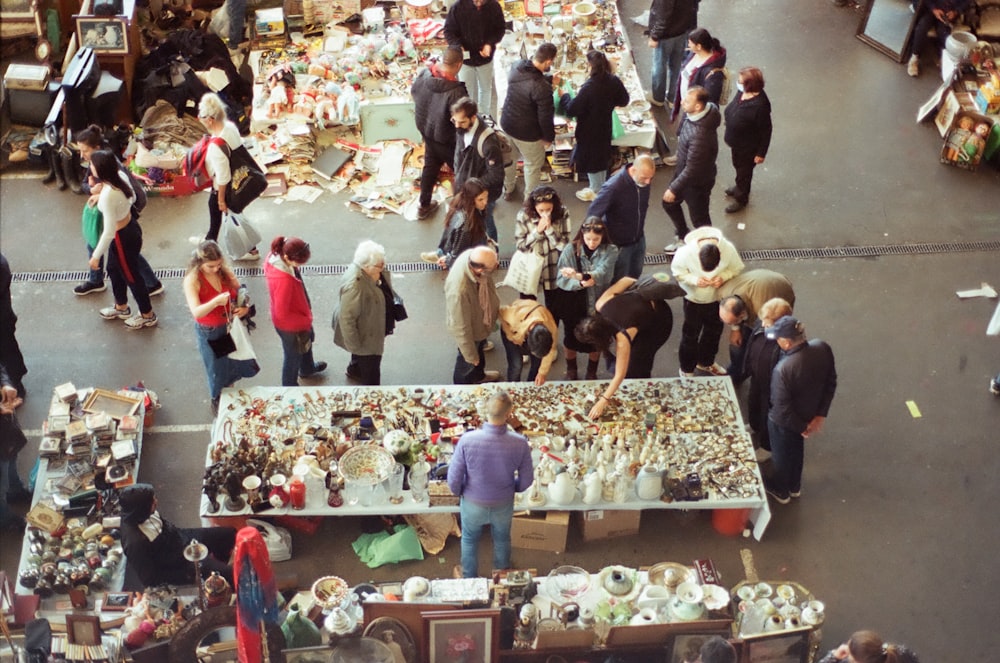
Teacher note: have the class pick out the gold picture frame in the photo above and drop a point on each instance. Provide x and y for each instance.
(116, 405)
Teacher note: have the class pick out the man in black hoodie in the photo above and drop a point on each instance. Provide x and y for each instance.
(670, 22)
(528, 113)
(434, 91)
(694, 176)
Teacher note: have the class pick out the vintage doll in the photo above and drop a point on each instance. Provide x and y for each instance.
(281, 84)
(957, 138)
(975, 143)
(326, 106)
(305, 103)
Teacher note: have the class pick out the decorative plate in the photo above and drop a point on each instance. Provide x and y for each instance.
(716, 597)
(367, 464)
(620, 592)
(330, 591)
(567, 582)
(671, 574)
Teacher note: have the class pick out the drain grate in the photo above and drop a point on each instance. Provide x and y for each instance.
(752, 255)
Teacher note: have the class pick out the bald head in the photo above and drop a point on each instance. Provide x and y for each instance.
(484, 258)
(642, 170)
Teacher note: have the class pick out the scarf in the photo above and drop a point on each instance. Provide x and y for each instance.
(152, 526)
(484, 301)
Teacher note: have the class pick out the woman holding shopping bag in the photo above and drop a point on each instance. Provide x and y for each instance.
(291, 310)
(212, 293)
(542, 228)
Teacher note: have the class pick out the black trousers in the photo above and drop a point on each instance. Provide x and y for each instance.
(697, 199)
(700, 335)
(214, 216)
(366, 369)
(123, 267)
(435, 155)
(648, 341)
(743, 163)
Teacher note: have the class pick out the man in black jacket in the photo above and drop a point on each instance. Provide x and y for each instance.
(434, 91)
(802, 387)
(476, 26)
(670, 22)
(528, 113)
(694, 176)
(477, 154)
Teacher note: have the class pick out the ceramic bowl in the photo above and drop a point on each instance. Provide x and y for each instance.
(716, 597)
(330, 591)
(690, 592)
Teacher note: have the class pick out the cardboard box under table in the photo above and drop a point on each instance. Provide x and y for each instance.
(599, 524)
(540, 531)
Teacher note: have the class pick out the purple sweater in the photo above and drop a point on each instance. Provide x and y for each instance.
(490, 465)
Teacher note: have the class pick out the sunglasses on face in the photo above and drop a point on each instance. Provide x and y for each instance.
(480, 265)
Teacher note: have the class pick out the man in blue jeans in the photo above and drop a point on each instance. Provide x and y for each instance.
(489, 466)
(802, 387)
(670, 22)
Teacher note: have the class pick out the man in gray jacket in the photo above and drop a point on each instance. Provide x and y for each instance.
(471, 310)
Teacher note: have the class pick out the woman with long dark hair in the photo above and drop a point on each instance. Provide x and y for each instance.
(291, 310)
(748, 133)
(592, 107)
(121, 241)
(542, 228)
(586, 268)
(464, 225)
(703, 67)
(638, 325)
(212, 293)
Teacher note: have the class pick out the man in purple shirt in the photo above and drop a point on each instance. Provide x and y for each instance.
(489, 466)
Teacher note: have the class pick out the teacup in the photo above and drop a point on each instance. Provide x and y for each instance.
(746, 593)
(773, 623)
(763, 590)
(811, 617)
(766, 607)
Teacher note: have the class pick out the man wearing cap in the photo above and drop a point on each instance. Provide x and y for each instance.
(802, 387)
(471, 309)
(742, 296)
(435, 89)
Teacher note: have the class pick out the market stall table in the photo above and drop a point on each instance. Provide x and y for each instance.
(690, 430)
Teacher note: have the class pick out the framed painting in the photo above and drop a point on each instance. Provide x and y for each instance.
(778, 647)
(104, 34)
(394, 634)
(472, 636)
(83, 629)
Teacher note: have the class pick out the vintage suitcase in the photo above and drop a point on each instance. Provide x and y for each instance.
(388, 121)
(26, 77)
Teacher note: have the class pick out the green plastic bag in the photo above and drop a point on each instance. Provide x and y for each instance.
(384, 548)
(617, 130)
(91, 224)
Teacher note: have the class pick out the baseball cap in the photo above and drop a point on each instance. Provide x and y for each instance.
(787, 326)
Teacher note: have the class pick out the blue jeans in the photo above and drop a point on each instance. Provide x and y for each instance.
(145, 272)
(667, 58)
(466, 373)
(221, 371)
(630, 259)
(491, 224)
(10, 482)
(515, 360)
(788, 456)
(596, 180)
(474, 518)
(295, 363)
(479, 82)
(737, 356)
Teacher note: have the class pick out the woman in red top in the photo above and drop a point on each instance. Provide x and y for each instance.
(211, 291)
(291, 311)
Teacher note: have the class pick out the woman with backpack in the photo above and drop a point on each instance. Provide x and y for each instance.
(121, 240)
(90, 140)
(592, 107)
(212, 113)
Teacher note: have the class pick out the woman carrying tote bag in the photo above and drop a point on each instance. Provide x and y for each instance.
(542, 228)
(211, 290)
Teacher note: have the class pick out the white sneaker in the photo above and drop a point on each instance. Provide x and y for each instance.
(714, 369)
(913, 66)
(430, 256)
(489, 346)
(685, 374)
(670, 160)
(586, 195)
(249, 255)
(195, 240)
(673, 246)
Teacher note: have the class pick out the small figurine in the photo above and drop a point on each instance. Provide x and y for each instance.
(527, 627)
(956, 139)
(975, 143)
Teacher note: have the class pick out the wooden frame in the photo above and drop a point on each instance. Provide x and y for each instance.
(116, 601)
(116, 405)
(401, 637)
(17, 10)
(104, 34)
(472, 633)
(687, 643)
(407, 613)
(881, 26)
(790, 646)
(83, 629)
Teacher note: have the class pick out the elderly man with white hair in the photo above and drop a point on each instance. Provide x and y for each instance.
(363, 315)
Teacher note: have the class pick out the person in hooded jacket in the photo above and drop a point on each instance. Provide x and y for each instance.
(529, 114)
(703, 67)
(748, 133)
(694, 176)
(434, 91)
(154, 547)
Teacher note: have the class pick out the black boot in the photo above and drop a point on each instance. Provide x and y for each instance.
(70, 159)
(50, 176)
(571, 373)
(55, 168)
(592, 365)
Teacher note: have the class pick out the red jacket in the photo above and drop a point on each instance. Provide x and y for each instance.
(290, 310)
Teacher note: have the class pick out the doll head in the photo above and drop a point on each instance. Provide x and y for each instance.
(983, 129)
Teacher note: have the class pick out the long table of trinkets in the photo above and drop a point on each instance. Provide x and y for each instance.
(328, 451)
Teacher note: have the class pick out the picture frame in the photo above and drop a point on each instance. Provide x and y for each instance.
(887, 26)
(394, 634)
(791, 646)
(686, 646)
(474, 634)
(116, 601)
(17, 10)
(116, 405)
(321, 654)
(83, 629)
(105, 35)
(407, 612)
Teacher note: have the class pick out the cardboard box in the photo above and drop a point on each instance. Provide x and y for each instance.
(540, 531)
(605, 524)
